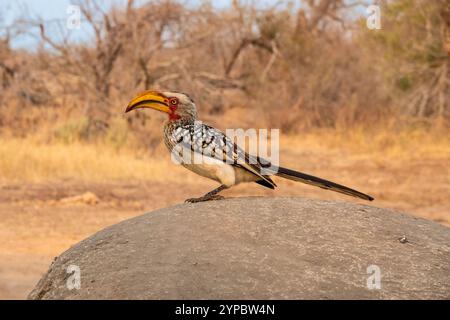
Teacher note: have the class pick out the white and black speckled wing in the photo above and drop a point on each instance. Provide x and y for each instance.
(206, 141)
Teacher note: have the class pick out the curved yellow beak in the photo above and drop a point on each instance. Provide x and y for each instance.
(149, 99)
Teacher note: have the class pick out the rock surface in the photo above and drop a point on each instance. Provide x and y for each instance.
(258, 248)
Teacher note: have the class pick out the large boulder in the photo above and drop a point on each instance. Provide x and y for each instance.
(258, 248)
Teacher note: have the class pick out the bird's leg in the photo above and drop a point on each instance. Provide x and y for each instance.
(213, 195)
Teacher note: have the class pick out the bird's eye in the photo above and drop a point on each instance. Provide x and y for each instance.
(174, 101)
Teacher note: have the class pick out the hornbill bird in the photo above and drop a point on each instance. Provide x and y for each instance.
(221, 159)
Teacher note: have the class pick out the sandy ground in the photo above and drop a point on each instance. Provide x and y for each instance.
(40, 221)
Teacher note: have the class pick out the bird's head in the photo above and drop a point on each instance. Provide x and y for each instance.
(179, 106)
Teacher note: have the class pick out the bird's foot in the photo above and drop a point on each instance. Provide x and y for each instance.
(204, 198)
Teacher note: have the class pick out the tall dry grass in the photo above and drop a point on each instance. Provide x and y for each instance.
(381, 142)
(25, 160)
(34, 161)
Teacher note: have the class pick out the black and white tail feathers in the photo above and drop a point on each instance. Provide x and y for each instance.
(321, 183)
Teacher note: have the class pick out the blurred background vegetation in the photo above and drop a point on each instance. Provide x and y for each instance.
(293, 66)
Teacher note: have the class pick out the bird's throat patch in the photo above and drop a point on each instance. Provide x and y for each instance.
(172, 115)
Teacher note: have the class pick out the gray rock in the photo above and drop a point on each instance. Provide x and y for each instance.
(258, 248)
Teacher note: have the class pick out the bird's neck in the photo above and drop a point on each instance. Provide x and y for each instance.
(175, 123)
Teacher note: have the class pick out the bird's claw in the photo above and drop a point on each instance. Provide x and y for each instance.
(204, 199)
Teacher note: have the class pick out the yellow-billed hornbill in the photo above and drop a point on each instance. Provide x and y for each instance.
(221, 159)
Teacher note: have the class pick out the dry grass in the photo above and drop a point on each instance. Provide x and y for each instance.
(378, 142)
(31, 161)
(24, 160)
